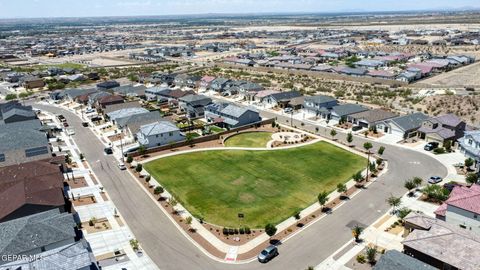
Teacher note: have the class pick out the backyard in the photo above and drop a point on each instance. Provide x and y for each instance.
(249, 139)
(265, 186)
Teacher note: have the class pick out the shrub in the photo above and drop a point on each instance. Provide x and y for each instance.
(247, 230)
(436, 193)
(225, 231)
(235, 231)
(296, 215)
(242, 230)
(439, 150)
(129, 159)
(361, 259)
(270, 229)
(158, 190)
(147, 178)
(231, 231)
(139, 168)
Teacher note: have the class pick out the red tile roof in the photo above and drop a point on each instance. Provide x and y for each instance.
(464, 198)
(34, 183)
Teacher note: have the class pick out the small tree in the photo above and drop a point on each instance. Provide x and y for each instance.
(333, 133)
(273, 124)
(447, 145)
(356, 232)
(322, 198)
(188, 220)
(139, 168)
(417, 181)
(147, 178)
(270, 229)
(357, 177)
(371, 253)
(410, 185)
(471, 178)
(142, 150)
(394, 202)
(381, 150)
(296, 215)
(173, 203)
(129, 159)
(342, 189)
(82, 157)
(367, 146)
(402, 213)
(158, 190)
(469, 163)
(350, 138)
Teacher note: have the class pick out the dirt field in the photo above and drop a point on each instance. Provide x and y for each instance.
(464, 76)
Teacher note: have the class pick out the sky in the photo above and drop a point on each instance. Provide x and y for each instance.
(94, 8)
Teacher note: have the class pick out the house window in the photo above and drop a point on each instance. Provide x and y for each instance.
(470, 141)
(170, 134)
(36, 151)
(2, 157)
(475, 216)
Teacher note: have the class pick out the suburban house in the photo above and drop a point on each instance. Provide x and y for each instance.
(102, 102)
(94, 97)
(230, 115)
(73, 93)
(44, 234)
(130, 124)
(159, 133)
(194, 105)
(107, 85)
(442, 128)
(119, 106)
(206, 81)
(219, 84)
(372, 119)
(154, 93)
(22, 142)
(319, 105)
(440, 244)
(13, 111)
(74, 256)
(281, 99)
(396, 260)
(470, 145)
(130, 91)
(405, 126)
(462, 208)
(174, 95)
(340, 112)
(33, 82)
(30, 188)
(113, 116)
(260, 95)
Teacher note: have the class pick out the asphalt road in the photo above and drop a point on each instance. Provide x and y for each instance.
(169, 249)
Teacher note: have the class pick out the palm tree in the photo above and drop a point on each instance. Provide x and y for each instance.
(356, 231)
(322, 199)
(367, 147)
(410, 185)
(394, 202)
(371, 253)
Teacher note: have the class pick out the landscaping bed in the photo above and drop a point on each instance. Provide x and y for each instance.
(249, 139)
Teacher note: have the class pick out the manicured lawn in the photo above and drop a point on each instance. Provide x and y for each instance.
(267, 186)
(249, 139)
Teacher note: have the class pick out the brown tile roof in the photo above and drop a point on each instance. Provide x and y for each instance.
(109, 99)
(35, 183)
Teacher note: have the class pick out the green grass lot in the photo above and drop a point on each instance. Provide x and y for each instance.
(267, 186)
(249, 139)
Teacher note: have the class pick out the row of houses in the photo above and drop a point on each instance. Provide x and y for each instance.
(35, 213)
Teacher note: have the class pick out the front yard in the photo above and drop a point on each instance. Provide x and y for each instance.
(266, 186)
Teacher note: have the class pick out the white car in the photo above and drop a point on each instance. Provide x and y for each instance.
(121, 166)
(70, 131)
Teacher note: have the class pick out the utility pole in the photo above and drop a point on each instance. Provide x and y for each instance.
(121, 145)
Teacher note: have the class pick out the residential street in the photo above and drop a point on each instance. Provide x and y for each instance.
(169, 249)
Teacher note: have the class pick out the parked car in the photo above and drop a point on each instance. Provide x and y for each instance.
(89, 110)
(435, 180)
(451, 185)
(267, 254)
(121, 166)
(430, 146)
(108, 150)
(287, 110)
(356, 128)
(85, 124)
(65, 124)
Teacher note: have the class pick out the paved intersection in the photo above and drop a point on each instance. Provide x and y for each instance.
(169, 249)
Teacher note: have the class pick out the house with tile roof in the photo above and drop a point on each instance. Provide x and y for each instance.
(159, 133)
(30, 188)
(38, 233)
(396, 260)
(372, 119)
(440, 244)
(469, 145)
(462, 208)
(405, 126)
(231, 115)
(442, 128)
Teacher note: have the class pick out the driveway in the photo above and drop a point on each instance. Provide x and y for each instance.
(169, 249)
